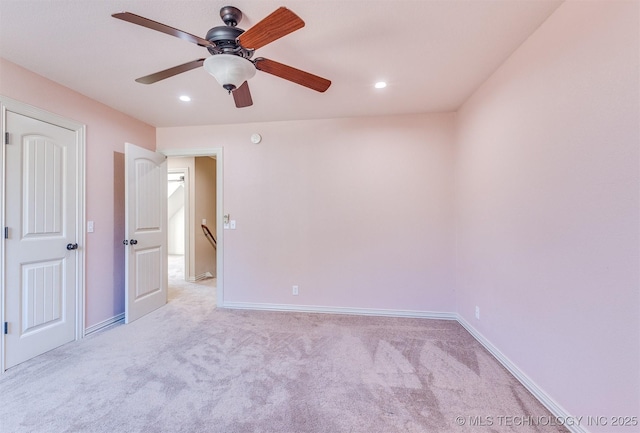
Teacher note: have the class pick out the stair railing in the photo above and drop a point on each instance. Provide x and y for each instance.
(209, 236)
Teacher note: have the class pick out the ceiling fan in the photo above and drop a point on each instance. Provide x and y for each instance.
(231, 49)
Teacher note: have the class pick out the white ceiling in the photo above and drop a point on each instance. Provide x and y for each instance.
(432, 53)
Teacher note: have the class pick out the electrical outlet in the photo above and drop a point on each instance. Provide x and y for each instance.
(295, 290)
(477, 312)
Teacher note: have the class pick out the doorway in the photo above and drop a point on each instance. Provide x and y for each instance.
(177, 217)
(194, 189)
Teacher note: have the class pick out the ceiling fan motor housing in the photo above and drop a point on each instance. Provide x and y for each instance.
(224, 41)
(224, 38)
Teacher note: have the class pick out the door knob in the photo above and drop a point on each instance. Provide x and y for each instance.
(125, 242)
(72, 247)
(133, 242)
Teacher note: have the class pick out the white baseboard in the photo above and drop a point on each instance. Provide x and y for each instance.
(340, 310)
(544, 398)
(99, 326)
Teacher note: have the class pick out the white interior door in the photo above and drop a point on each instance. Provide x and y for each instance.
(41, 263)
(146, 231)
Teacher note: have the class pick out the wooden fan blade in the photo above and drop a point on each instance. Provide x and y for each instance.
(242, 96)
(292, 74)
(154, 25)
(280, 23)
(153, 78)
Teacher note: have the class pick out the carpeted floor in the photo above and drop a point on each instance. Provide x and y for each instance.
(189, 367)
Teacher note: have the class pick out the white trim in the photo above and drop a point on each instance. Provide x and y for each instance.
(104, 324)
(341, 310)
(8, 104)
(82, 232)
(2, 225)
(544, 398)
(217, 153)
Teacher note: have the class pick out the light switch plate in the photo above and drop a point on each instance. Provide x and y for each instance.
(232, 223)
(90, 226)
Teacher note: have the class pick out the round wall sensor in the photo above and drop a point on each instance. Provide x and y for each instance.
(256, 138)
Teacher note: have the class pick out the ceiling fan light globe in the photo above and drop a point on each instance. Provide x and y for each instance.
(229, 69)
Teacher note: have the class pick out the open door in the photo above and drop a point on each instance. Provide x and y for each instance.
(146, 231)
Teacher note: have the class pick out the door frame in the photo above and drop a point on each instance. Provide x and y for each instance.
(215, 152)
(8, 104)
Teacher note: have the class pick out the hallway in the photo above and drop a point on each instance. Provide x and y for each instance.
(177, 283)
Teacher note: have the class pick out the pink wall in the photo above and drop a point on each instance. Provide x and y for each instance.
(547, 174)
(360, 212)
(107, 131)
(357, 212)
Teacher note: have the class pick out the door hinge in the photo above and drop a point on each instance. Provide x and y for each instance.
(6, 327)
(6, 138)
(6, 232)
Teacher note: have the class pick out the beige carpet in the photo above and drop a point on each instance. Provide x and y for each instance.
(190, 367)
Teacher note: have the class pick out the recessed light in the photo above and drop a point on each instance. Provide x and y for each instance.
(380, 85)
(185, 98)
